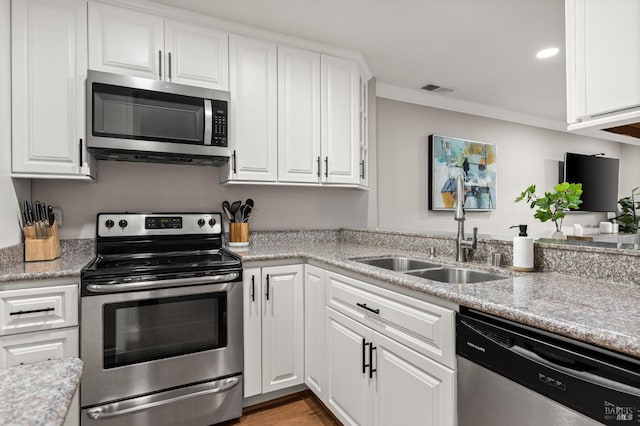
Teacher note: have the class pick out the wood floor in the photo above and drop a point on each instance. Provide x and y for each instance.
(299, 409)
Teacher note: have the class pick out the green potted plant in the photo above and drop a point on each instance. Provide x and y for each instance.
(627, 218)
(553, 205)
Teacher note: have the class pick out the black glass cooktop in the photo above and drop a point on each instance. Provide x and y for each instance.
(161, 262)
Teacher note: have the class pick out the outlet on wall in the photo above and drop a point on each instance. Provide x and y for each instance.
(57, 212)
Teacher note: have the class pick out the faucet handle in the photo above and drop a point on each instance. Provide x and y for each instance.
(475, 238)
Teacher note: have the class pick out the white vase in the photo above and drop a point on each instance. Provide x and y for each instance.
(558, 235)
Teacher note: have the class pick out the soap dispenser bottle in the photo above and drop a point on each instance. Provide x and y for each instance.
(522, 250)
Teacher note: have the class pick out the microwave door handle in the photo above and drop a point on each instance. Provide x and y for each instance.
(208, 121)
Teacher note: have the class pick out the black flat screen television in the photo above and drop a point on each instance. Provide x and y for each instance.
(599, 179)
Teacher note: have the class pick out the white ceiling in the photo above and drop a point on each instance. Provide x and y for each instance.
(485, 49)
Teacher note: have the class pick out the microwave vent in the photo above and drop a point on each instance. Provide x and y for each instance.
(435, 88)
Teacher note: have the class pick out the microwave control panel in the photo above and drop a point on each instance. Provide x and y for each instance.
(219, 123)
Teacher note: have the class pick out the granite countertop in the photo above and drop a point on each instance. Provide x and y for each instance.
(594, 311)
(40, 393)
(74, 255)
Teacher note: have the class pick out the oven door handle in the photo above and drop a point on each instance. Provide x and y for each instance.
(144, 285)
(151, 401)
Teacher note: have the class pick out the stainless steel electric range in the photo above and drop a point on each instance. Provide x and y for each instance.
(161, 325)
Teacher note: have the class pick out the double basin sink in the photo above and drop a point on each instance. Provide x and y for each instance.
(432, 271)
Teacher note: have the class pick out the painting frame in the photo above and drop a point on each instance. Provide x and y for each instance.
(476, 161)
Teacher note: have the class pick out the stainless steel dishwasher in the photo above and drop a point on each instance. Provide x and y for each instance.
(510, 374)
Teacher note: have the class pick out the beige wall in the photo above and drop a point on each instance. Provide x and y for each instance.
(526, 155)
(171, 188)
(10, 190)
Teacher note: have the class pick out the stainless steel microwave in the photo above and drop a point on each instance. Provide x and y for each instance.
(140, 119)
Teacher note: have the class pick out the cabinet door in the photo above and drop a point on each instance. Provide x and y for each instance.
(612, 55)
(125, 41)
(252, 316)
(253, 131)
(410, 388)
(34, 309)
(314, 329)
(28, 348)
(363, 132)
(298, 115)
(282, 327)
(196, 55)
(339, 120)
(49, 68)
(348, 388)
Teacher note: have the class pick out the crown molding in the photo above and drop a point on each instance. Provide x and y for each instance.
(420, 97)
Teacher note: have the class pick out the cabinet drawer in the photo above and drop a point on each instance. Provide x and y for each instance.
(34, 309)
(36, 347)
(420, 325)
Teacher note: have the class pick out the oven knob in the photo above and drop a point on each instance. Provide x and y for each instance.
(212, 222)
(109, 223)
(123, 223)
(201, 222)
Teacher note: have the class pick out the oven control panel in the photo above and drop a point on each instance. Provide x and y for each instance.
(141, 224)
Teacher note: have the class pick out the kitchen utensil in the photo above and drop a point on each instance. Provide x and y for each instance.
(246, 213)
(227, 210)
(235, 206)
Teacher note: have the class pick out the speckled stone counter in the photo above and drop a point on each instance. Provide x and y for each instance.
(38, 394)
(74, 254)
(594, 311)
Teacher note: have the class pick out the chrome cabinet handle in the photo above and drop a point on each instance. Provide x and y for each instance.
(233, 157)
(114, 288)
(319, 166)
(159, 64)
(144, 403)
(169, 66)
(362, 166)
(326, 167)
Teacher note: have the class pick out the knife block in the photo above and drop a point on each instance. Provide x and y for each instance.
(37, 249)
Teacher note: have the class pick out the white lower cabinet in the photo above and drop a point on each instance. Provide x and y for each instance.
(314, 329)
(273, 328)
(374, 380)
(40, 324)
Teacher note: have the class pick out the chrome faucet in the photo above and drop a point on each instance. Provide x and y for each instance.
(464, 247)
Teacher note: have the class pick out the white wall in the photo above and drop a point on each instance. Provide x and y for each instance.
(124, 186)
(526, 155)
(10, 190)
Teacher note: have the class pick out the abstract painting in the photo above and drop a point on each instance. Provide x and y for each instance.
(475, 161)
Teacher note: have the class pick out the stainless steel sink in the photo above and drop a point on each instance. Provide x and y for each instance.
(457, 275)
(400, 264)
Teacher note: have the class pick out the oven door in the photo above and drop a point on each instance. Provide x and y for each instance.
(146, 341)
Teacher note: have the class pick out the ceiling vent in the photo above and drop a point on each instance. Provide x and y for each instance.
(434, 88)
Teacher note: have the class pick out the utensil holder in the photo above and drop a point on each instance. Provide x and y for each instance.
(239, 233)
(37, 249)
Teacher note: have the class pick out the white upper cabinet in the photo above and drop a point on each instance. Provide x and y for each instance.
(340, 111)
(364, 131)
(197, 55)
(603, 57)
(130, 42)
(48, 72)
(253, 110)
(125, 41)
(298, 115)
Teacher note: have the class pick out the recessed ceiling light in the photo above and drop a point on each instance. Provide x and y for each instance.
(547, 53)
